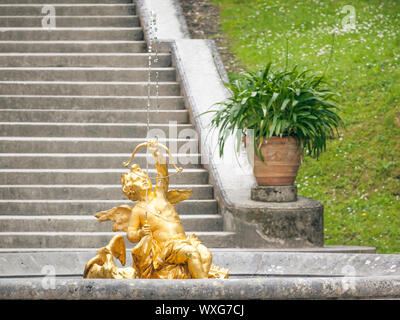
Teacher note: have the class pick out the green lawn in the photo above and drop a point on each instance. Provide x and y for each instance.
(358, 177)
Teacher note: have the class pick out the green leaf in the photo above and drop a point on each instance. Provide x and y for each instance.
(275, 95)
(272, 128)
(288, 102)
(284, 104)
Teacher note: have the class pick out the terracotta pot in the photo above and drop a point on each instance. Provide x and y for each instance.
(282, 158)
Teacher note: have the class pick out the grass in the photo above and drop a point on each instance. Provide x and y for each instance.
(358, 177)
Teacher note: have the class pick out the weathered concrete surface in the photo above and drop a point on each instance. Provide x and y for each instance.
(61, 239)
(89, 102)
(102, 60)
(255, 274)
(234, 289)
(277, 225)
(62, 9)
(240, 262)
(169, 20)
(274, 193)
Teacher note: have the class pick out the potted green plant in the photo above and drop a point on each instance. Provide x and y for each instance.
(289, 113)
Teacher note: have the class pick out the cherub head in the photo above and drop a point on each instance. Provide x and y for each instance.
(136, 184)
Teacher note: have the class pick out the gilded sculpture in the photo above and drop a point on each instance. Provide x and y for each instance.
(163, 250)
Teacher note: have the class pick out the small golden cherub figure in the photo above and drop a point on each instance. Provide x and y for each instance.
(163, 250)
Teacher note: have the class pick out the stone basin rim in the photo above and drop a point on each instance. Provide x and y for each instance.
(204, 289)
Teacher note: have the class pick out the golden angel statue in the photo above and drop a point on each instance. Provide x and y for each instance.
(163, 250)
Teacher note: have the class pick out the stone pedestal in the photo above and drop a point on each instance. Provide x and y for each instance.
(274, 193)
(258, 224)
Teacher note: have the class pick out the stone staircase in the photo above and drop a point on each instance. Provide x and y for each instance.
(72, 108)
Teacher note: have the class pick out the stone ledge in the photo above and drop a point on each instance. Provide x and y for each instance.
(171, 23)
(237, 289)
(324, 249)
(252, 262)
(255, 274)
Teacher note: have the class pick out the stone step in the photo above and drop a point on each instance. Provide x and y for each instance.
(73, 223)
(70, 9)
(71, 99)
(41, 34)
(95, 116)
(78, 46)
(89, 176)
(86, 161)
(90, 102)
(85, 145)
(87, 74)
(96, 130)
(94, 239)
(97, 88)
(70, 21)
(124, 60)
(62, 1)
(53, 207)
(85, 192)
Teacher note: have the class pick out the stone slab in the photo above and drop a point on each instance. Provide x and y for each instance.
(117, 60)
(77, 21)
(255, 274)
(75, 239)
(326, 262)
(88, 223)
(89, 102)
(62, 1)
(169, 19)
(193, 289)
(64, 206)
(65, 9)
(81, 33)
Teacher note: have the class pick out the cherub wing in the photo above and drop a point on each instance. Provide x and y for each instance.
(117, 248)
(178, 195)
(120, 215)
(96, 260)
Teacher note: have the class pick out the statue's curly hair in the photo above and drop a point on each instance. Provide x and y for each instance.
(135, 178)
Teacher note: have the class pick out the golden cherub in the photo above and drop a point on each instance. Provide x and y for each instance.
(163, 250)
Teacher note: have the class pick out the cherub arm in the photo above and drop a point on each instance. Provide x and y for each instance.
(162, 172)
(162, 167)
(135, 232)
